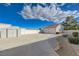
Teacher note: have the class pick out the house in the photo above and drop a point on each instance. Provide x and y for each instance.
(9, 31)
(52, 29)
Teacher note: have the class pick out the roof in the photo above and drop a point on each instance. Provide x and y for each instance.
(13, 27)
(4, 25)
(51, 26)
(7, 26)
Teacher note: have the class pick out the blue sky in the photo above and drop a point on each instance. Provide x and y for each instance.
(9, 15)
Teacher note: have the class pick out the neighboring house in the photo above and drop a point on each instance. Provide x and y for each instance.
(9, 31)
(52, 29)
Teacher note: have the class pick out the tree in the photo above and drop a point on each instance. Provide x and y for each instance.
(70, 23)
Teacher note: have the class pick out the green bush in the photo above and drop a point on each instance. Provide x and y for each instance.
(75, 34)
(74, 40)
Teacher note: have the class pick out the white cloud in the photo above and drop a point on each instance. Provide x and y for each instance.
(62, 4)
(50, 13)
(7, 4)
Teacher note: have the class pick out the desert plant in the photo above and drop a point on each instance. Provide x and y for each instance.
(57, 33)
(75, 34)
(74, 40)
(70, 23)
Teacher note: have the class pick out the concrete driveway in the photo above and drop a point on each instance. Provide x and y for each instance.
(29, 45)
(42, 48)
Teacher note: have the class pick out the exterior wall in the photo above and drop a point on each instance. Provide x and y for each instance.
(7, 30)
(3, 33)
(8, 33)
(12, 33)
(18, 32)
(59, 28)
(28, 31)
(15, 32)
(51, 31)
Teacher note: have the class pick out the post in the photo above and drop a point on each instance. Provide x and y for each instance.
(17, 33)
(6, 33)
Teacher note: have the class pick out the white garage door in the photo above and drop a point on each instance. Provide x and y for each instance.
(12, 33)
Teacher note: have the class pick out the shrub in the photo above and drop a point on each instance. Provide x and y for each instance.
(74, 40)
(57, 33)
(75, 34)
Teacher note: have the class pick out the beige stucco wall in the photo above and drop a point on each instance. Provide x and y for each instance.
(53, 30)
(14, 31)
(3, 33)
(59, 28)
(29, 31)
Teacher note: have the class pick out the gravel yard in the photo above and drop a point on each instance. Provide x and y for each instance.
(67, 49)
